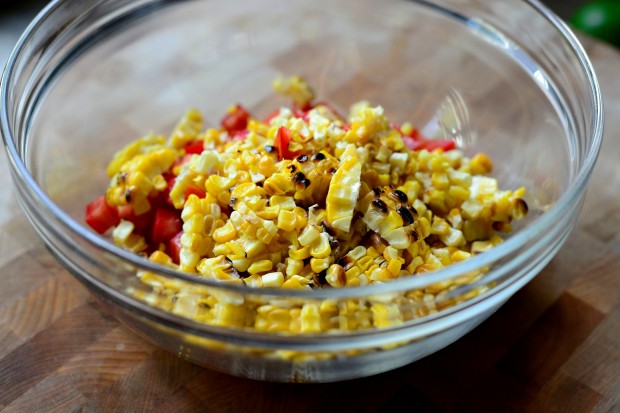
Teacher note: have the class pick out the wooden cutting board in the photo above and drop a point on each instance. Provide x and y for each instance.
(555, 346)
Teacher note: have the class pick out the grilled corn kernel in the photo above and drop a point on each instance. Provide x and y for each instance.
(225, 233)
(273, 279)
(260, 266)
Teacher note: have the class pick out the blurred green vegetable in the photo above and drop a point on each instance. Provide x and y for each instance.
(600, 19)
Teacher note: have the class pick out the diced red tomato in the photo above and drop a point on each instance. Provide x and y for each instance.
(302, 114)
(174, 248)
(195, 147)
(282, 141)
(445, 144)
(239, 135)
(195, 190)
(166, 225)
(141, 223)
(101, 216)
(417, 142)
(236, 121)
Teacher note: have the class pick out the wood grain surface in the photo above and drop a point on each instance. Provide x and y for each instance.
(555, 346)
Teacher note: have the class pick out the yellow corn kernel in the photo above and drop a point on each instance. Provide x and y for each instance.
(284, 202)
(365, 262)
(390, 253)
(287, 220)
(160, 257)
(269, 213)
(302, 218)
(481, 164)
(260, 266)
(225, 233)
(273, 279)
(394, 267)
(440, 180)
(296, 283)
(321, 247)
(309, 235)
(241, 264)
(385, 315)
(320, 264)
(293, 266)
(310, 319)
(299, 253)
(352, 273)
(414, 264)
(372, 252)
(264, 236)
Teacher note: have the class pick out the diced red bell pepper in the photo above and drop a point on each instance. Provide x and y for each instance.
(282, 142)
(101, 216)
(174, 248)
(236, 121)
(166, 225)
(195, 147)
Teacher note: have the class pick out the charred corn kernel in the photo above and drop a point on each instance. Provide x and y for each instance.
(481, 164)
(260, 266)
(336, 276)
(273, 279)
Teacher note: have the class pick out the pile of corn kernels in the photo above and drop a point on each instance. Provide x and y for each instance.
(305, 199)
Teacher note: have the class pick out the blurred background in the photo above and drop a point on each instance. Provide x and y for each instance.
(599, 18)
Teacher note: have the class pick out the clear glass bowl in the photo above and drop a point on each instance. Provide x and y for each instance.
(505, 77)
